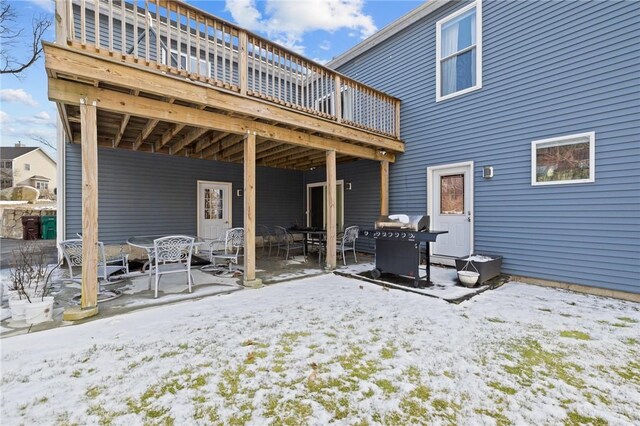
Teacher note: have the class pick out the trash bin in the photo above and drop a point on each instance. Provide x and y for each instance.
(30, 227)
(48, 227)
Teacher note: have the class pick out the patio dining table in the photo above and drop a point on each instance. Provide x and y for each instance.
(318, 236)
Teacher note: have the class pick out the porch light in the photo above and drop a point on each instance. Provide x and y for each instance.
(239, 193)
(347, 186)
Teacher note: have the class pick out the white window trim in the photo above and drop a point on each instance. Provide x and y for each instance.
(478, 5)
(560, 141)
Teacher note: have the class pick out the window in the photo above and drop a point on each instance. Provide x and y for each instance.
(459, 52)
(6, 164)
(452, 194)
(27, 166)
(566, 159)
(42, 185)
(6, 183)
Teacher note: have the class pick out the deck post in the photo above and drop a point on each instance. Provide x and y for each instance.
(384, 188)
(243, 62)
(61, 22)
(332, 216)
(250, 279)
(337, 98)
(89, 146)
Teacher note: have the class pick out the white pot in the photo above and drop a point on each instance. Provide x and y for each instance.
(39, 310)
(16, 306)
(468, 278)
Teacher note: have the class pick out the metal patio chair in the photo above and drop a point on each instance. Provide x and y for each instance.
(264, 232)
(172, 255)
(348, 242)
(72, 252)
(233, 245)
(285, 242)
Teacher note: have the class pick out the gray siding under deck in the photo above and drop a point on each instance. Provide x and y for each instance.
(148, 194)
(550, 68)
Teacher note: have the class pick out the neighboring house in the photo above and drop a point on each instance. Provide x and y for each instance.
(27, 166)
(520, 131)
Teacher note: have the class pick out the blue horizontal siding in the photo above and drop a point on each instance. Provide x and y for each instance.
(550, 68)
(148, 194)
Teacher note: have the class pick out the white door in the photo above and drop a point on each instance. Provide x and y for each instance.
(214, 209)
(451, 209)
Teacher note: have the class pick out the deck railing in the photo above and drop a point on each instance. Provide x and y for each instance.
(178, 38)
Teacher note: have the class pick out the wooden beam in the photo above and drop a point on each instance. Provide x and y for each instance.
(191, 136)
(65, 119)
(89, 295)
(243, 68)
(207, 142)
(250, 210)
(108, 100)
(337, 98)
(168, 135)
(261, 145)
(105, 69)
(213, 151)
(332, 218)
(123, 127)
(384, 188)
(144, 134)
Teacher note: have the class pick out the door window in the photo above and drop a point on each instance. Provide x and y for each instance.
(452, 194)
(213, 203)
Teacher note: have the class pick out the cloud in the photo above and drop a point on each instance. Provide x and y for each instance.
(325, 45)
(40, 119)
(286, 21)
(17, 95)
(47, 5)
(4, 117)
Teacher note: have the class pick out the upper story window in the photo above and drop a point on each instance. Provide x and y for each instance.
(459, 52)
(566, 159)
(6, 164)
(27, 166)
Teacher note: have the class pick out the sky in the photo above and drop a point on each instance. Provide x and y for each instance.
(318, 29)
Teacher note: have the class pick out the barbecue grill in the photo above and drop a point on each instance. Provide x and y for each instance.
(398, 239)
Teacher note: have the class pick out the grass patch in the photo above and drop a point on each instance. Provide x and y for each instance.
(389, 351)
(502, 388)
(575, 334)
(496, 320)
(534, 363)
(386, 386)
(574, 419)
(628, 319)
(501, 419)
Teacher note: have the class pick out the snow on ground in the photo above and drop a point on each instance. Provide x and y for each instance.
(336, 350)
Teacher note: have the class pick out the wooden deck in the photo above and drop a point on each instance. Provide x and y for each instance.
(164, 77)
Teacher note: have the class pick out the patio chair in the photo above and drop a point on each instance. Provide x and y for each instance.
(348, 242)
(233, 245)
(72, 252)
(172, 255)
(263, 231)
(285, 242)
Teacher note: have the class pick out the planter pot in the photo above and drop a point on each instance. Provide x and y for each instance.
(39, 311)
(16, 306)
(487, 265)
(468, 278)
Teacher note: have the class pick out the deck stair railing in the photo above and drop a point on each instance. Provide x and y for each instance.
(180, 39)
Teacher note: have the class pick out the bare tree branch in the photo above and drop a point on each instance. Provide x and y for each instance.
(44, 142)
(12, 41)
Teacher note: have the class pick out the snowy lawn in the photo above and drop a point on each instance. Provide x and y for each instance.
(336, 350)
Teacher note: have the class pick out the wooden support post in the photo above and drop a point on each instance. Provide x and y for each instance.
(250, 211)
(332, 217)
(243, 62)
(89, 290)
(384, 188)
(337, 99)
(61, 23)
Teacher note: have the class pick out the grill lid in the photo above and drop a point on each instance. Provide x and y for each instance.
(403, 221)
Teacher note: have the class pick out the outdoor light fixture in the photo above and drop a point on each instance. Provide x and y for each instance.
(238, 192)
(347, 186)
(383, 152)
(487, 172)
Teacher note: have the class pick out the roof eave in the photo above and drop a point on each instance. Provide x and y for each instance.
(393, 28)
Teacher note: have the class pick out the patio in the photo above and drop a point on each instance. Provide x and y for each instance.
(330, 348)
